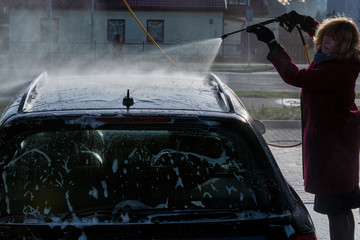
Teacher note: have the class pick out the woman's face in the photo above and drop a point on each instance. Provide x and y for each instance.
(327, 44)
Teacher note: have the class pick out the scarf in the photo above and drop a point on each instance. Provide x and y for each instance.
(322, 57)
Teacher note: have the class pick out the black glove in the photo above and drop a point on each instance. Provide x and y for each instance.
(267, 36)
(296, 18)
(263, 33)
(293, 18)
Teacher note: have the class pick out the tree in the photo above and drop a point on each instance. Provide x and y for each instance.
(294, 4)
(284, 2)
(308, 7)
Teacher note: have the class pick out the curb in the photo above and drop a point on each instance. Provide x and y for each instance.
(241, 70)
(282, 123)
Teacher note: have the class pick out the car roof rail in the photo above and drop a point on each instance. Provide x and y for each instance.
(223, 90)
(31, 92)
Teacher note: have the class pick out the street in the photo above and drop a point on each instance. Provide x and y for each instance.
(268, 81)
(256, 81)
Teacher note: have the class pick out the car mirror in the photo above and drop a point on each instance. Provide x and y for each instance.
(260, 125)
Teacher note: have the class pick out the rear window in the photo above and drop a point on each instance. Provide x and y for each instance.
(54, 172)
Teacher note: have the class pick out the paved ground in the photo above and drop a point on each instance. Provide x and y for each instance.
(289, 159)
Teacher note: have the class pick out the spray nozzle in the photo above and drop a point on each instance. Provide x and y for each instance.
(225, 36)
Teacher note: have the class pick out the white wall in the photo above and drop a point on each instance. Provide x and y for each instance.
(75, 25)
(178, 26)
(24, 25)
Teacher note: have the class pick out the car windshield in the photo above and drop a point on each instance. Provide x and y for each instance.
(63, 171)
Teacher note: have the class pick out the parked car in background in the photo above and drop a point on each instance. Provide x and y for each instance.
(140, 156)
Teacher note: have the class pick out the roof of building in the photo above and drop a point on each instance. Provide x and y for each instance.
(259, 8)
(208, 5)
(275, 8)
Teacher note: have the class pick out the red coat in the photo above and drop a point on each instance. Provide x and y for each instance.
(330, 122)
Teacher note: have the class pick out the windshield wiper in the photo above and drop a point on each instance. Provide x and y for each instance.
(129, 215)
(194, 214)
(169, 215)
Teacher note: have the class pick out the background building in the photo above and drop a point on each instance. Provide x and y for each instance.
(74, 27)
(349, 8)
(64, 28)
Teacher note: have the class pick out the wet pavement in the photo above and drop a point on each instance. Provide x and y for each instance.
(286, 134)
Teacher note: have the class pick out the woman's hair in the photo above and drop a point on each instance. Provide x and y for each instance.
(344, 32)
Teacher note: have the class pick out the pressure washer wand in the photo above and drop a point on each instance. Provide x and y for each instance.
(251, 26)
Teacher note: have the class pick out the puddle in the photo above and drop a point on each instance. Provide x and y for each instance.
(291, 102)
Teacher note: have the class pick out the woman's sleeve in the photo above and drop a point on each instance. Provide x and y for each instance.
(323, 77)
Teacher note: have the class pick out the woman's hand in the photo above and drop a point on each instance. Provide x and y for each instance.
(263, 33)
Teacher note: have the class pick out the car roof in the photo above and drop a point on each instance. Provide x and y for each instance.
(149, 91)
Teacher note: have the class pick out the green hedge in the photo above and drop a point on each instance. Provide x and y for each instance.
(277, 113)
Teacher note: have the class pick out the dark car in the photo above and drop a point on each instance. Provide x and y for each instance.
(143, 156)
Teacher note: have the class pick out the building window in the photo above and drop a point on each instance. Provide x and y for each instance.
(4, 39)
(116, 30)
(4, 30)
(237, 2)
(156, 30)
(47, 32)
(4, 15)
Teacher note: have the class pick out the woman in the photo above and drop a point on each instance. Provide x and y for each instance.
(330, 118)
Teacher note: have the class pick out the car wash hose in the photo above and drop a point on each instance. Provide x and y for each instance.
(149, 36)
(304, 44)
